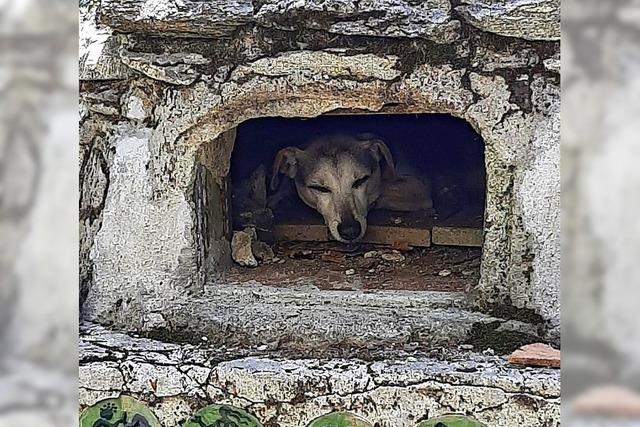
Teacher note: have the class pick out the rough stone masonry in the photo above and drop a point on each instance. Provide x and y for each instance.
(401, 391)
(164, 83)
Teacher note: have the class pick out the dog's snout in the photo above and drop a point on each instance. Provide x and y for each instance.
(349, 229)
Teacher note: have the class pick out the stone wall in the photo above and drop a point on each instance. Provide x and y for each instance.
(161, 84)
(177, 380)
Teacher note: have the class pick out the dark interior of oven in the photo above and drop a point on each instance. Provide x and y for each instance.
(430, 249)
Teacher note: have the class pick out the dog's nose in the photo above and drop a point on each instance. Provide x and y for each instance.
(349, 230)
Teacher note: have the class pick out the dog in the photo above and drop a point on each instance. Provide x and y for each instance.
(343, 177)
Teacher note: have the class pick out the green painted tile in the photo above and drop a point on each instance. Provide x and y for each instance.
(452, 421)
(339, 419)
(123, 411)
(222, 416)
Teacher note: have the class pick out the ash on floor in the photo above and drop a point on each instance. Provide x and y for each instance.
(350, 267)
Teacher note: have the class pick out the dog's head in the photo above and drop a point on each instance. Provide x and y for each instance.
(340, 177)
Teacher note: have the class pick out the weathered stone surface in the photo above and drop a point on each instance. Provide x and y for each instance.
(104, 376)
(291, 393)
(130, 201)
(379, 18)
(528, 19)
(515, 139)
(186, 17)
(327, 64)
(99, 59)
(429, 19)
(511, 57)
(311, 322)
(171, 68)
(552, 64)
(539, 196)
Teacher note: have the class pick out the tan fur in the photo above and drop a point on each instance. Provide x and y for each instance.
(334, 164)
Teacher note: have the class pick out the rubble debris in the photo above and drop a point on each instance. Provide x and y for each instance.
(323, 264)
(241, 249)
(333, 256)
(350, 272)
(301, 254)
(370, 254)
(537, 354)
(262, 251)
(444, 273)
(251, 231)
(393, 256)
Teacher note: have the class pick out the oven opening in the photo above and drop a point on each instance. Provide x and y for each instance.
(357, 202)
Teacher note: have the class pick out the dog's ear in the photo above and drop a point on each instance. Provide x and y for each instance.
(285, 162)
(381, 152)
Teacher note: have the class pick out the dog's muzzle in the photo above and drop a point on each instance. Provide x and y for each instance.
(349, 230)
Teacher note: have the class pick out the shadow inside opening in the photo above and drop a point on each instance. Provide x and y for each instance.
(444, 151)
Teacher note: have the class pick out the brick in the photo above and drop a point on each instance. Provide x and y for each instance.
(457, 236)
(301, 232)
(537, 354)
(398, 237)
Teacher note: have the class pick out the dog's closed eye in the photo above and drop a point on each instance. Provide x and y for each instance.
(360, 181)
(320, 188)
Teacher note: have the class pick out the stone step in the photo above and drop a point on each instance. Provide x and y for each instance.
(180, 379)
(309, 322)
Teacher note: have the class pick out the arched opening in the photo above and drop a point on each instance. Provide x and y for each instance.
(435, 245)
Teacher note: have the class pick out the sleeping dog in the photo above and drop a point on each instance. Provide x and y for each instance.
(344, 177)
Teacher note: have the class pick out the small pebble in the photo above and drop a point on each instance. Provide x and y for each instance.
(204, 339)
(394, 256)
(350, 272)
(397, 220)
(281, 261)
(372, 270)
(263, 347)
(444, 273)
(466, 347)
(370, 254)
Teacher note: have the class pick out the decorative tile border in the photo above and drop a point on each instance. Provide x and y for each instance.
(124, 410)
(339, 419)
(452, 421)
(222, 416)
(129, 412)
